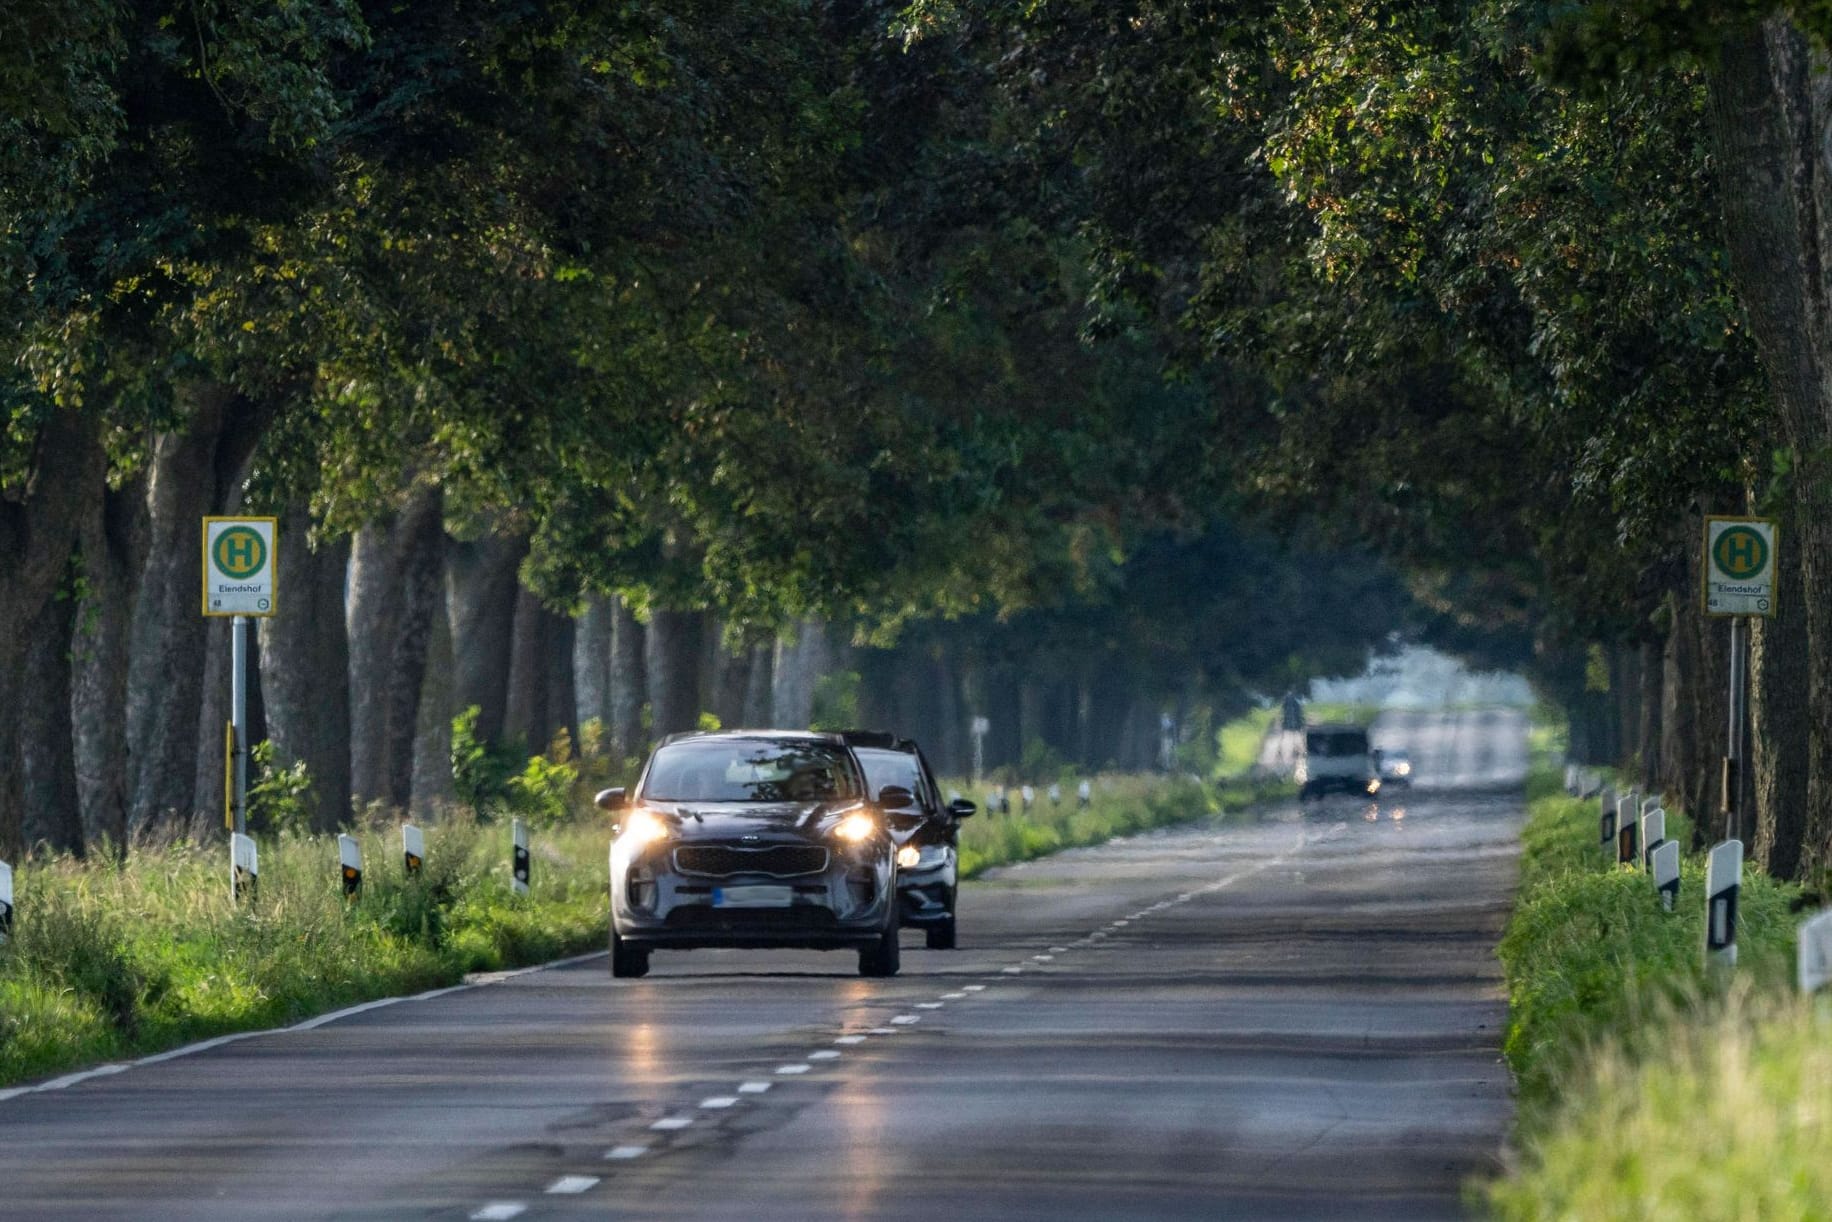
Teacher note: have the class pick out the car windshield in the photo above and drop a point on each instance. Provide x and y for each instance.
(883, 768)
(1336, 743)
(750, 770)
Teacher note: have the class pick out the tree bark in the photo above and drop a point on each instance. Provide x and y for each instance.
(305, 666)
(758, 687)
(673, 667)
(1779, 717)
(48, 753)
(396, 571)
(433, 786)
(629, 682)
(1653, 674)
(525, 721)
(113, 544)
(483, 590)
(1771, 111)
(592, 662)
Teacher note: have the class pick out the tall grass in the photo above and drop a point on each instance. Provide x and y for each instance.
(1645, 1089)
(112, 960)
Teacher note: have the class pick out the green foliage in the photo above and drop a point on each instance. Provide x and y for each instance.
(110, 961)
(279, 799)
(836, 701)
(481, 770)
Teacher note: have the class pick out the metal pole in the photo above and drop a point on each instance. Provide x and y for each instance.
(238, 704)
(1733, 772)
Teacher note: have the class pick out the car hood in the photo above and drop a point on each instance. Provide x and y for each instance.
(736, 820)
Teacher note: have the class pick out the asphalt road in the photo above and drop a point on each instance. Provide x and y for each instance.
(1297, 1017)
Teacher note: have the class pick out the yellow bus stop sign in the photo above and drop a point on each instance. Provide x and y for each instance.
(1739, 566)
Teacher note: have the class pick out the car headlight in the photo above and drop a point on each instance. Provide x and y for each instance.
(908, 856)
(643, 827)
(855, 828)
(1404, 770)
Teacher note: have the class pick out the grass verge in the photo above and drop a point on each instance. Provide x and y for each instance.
(1120, 806)
(1645, 1091)
(112, 961)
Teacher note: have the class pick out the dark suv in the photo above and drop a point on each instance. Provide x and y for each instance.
(926, 830)
(752, 838)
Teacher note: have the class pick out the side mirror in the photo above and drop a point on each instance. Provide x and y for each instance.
(610, 799)
(896, 797)
(960, 808)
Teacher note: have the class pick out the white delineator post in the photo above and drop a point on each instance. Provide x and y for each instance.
(413, 847)
(1666, 873)
(1723, 881)
(981, 727)
(1606, 818)
(6, 901)
(350, 858)
(245, 865)
(519, 834)
(1628, 829)
(1813, 960)
(1084, 793)
(1653, 835)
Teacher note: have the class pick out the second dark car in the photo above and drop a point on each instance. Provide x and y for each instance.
(925, 828)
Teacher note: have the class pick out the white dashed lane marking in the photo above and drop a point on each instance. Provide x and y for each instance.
(825, 1054)
(752, 1088)
(499, 1211)
(572, 1185)
(973, 988)
(719, 1101)
(930, 1005)
(623, 1154)
(668, 1124)
(789, 1069)
(952, 996)
(904, 1020)
(850, 1039)
(883, 1031)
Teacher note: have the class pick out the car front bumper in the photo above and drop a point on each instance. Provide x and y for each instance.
(848, 903)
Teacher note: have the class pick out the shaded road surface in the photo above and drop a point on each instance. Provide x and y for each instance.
(1296, 1018)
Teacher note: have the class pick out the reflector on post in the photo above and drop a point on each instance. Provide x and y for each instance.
(520, 835)
(1606, 818)
(244, 866)
(1723, 882)
(413, 847)
(350, 857)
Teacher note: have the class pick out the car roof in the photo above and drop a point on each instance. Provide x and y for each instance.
(818, 736)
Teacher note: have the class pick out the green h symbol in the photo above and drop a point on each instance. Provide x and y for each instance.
(238, 551)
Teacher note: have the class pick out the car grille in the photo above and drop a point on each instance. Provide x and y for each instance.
(801, 918)
(777, 861)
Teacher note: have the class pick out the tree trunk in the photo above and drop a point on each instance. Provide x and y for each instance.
(562, 699)
(592, 662)
(192, 473)
(1653, 673)
(759, 686)
(47, 750)
(114, 552)
(396, 567)
(525, 722)
(629, 681)
(1779, 717)
(673, 666)
(433, 787)
(305, 667)
(483, 591)
(1771, 111)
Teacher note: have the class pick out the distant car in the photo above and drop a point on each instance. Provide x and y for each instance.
(926, 829)
(753, 838)
(1395, 768)
(1336, 759)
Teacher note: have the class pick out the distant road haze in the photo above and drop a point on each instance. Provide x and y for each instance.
(1298, 1016)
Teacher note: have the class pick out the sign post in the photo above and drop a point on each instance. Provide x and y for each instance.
(245, 867)
(1723, 880)
(1813, 960)
(1739, 581)
(981, 728)
(239, 580)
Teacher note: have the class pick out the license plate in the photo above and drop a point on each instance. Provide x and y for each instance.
(752, 897)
